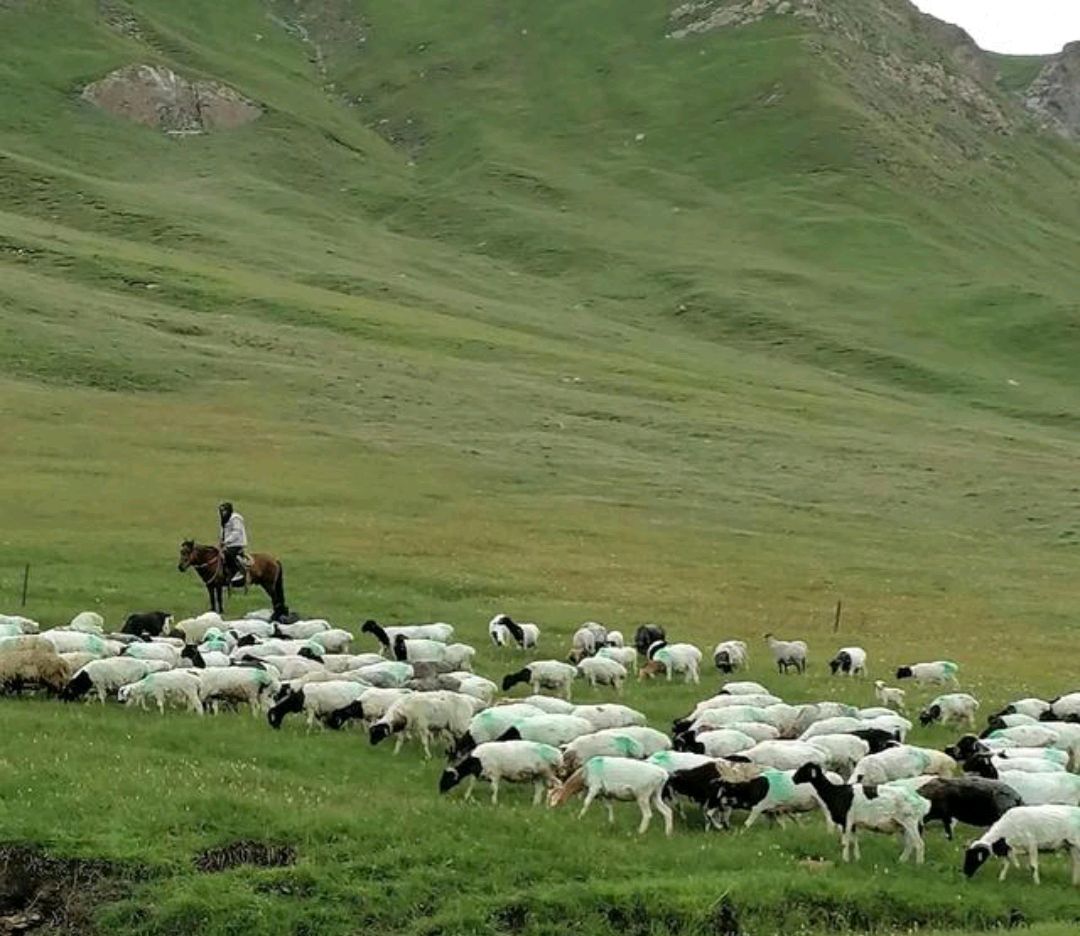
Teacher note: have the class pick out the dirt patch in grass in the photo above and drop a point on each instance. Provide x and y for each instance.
(43, 893)
(235, 854)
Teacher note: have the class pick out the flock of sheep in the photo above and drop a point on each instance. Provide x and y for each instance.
(742, 749)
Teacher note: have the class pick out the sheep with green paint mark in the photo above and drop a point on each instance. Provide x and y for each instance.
(510, 761)
(177, 686)
(614, 778)
(242, 685)
(900, 762)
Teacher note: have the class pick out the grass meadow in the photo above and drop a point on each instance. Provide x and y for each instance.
(523, 307)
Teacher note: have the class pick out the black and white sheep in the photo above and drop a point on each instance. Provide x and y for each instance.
(788, 654)
(544, 674)
(849, 661)
(615, 778)
(510, 761)
(1030, 830)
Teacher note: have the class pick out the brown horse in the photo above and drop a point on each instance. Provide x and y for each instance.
(209, 561)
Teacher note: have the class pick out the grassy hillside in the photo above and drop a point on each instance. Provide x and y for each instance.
(527, 307)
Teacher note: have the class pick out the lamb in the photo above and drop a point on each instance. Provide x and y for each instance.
(900, 762)
(88, 622)
(788, 653)
(720, 743)
(556, 730)
(611, 743)
(673, 659)
(502, 629)
(34, 668)
(108, 676)
(543, 674)
(617, 778)
(301, 630)
(646, 635)
(880, 809)
(938, 672)
(387, 635)
(889, 696)
(512, 761)
(731, 655)
(950, 709)
(600, 671)
(625, 656)
(782, 755)
(239, 684)
(850, 661)
(424, 715)
(147, 623)
(842, 751)
(609, 715)
(1032, 829)
(181, 686)
(320, 700)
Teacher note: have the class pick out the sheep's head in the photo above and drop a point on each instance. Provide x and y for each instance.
(930, 715)
(978, 854)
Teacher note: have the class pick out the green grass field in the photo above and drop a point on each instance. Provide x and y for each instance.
(524, 307)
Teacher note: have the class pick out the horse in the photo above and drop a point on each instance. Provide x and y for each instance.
(209, 561)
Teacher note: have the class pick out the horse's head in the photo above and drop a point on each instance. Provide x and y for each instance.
(187, 555)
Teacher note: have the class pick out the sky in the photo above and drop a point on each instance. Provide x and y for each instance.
(1021, 27)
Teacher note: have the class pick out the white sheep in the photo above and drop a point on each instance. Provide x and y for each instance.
(476, 686)
(491, 724)
(601, 671)
(936, 673)
(582, 644)
(651, 740)
(556, 730)
(1043, 789)
(849, 661)
(783, 755)
(723, 742)
(743, 687)
(335, 640)
(387, 635)
(759, 731)
(166, 653)
(546, 704)
(1065, 708)
(248, 685)
(512, 761)
(35, 667)
(18, 624)
(615, 639)
(609, 715)
(503, 629)
(88, 622)
(774, 792)
(318, 699)
(673, 659)
(253, 628)
(900, 762)
(842, 751)
(788, 653)
(108, 676)
(288, 668)
(673, 761)
(1033, 708)
(890, 696)
(343, 662)
(298, 630)
(729, 715)
(425, 715)
(626, 656)
(610, 743)
(180, 686)
(953, 708)
(1029, 829)
(544, 674)
(731, 655)
(617, 778)
(839, 724)
(65, 641)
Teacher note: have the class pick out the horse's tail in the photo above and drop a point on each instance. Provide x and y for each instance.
(277, 595)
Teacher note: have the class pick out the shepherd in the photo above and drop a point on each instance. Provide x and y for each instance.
(227, 565)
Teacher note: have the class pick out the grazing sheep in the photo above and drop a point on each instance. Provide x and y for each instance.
(745, 687)
(625, 656)
(723, 742)
(1064, 708)
(609, 715)
(936, 673)
(302, 630)
(67, 641)
(386, 635)
(476, 686)
(1033, 708)
(646, 635)
(147, 623)
(335, 640)
(545, 703)
(512, 761)
(547, 729)
(1032, 829)
(319, 699)
(32, 669)
(788, 653)
(179, 686)
(880, 809)
(369, 706)
(889, 696)
(840, 724)
(782, 755)
(497, 630)
(615, 639)
(1000, 722)
(457, 656)
(582, 644)
(774, 793)
(425, 715)
(389, 674)
(343, 662)
(675, 761)
(503, 628)
(849, 661)
(544, 674)
(24, 642)
(673, 659)
(105, 677)
(610, 743)
(1038, 789)
(722, 701)
(88, 622)
(76, 661)
(951, 709)
(701, 784)
(731, 655)
(895, 725)
(493, 723)
(900, 762)
(193, 630)
(617, 778)
(651, 740)
(759, 731)
(164, 652)
(248, 685)
(842, 751)
(601, 671)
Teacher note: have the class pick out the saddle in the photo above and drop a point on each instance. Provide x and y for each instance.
(240, 576)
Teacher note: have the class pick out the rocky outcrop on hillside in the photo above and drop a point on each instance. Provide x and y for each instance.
(158, 97)
(921, 57)
(1054, 95)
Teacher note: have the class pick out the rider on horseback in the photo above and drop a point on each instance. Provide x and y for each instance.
(233, 543)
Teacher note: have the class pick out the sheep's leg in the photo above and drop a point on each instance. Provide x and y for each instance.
(538, 792)
(590, 795)
(753, 817)
(665, 811)
(610, 812)
(160, 704)
(400, 741)
(1033, 857)
(101, 694)
(846, 851)
(696, 674)
(469, 788)
(646, 813)
(495, 790)
(425, 741)
(1074, 851)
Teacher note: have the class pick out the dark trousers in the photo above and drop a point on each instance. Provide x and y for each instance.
(232, 561)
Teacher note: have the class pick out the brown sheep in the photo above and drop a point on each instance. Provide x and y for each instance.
(20, 669)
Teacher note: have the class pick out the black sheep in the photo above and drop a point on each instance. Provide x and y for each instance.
(974, 801)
